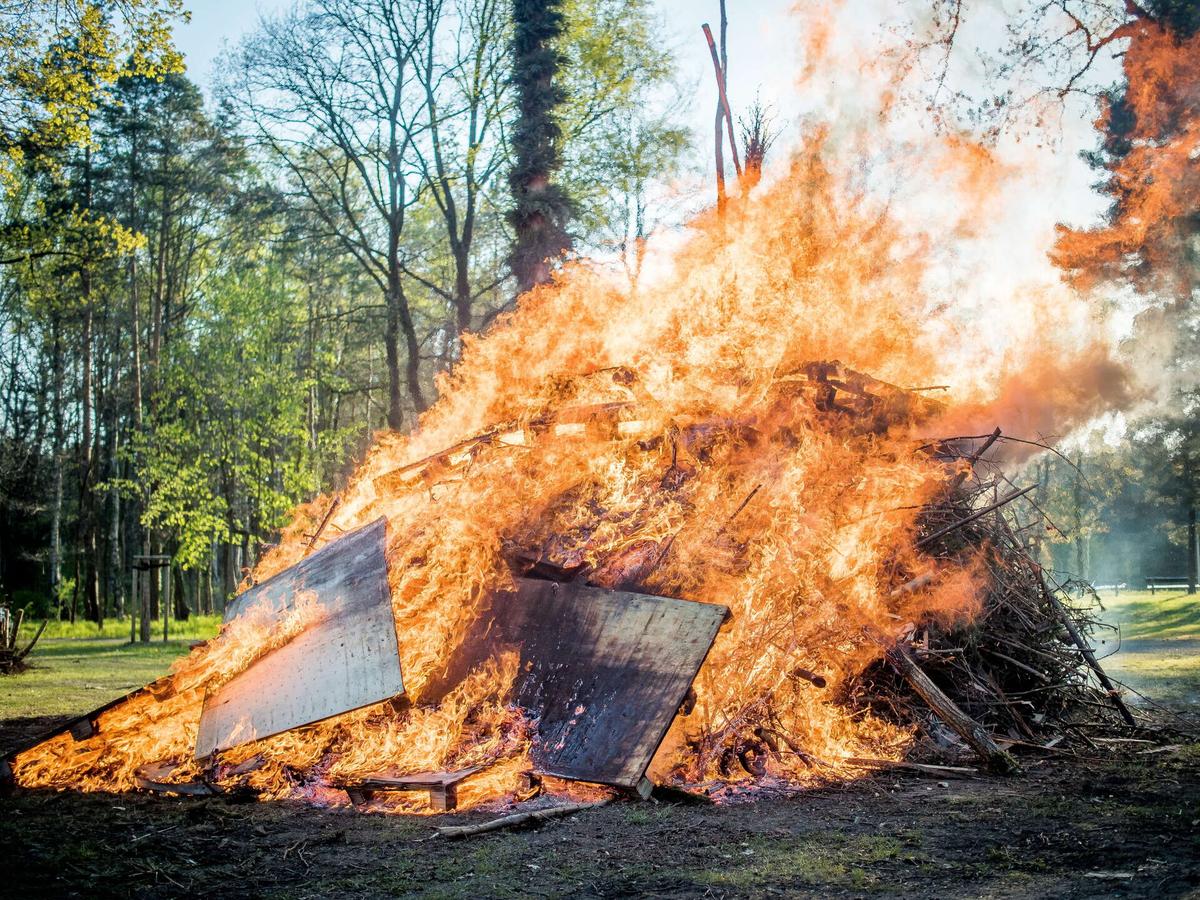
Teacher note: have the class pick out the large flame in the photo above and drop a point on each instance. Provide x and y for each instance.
(1155, 178)
(668, 436)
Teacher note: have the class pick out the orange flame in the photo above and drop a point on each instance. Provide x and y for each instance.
(677, 436)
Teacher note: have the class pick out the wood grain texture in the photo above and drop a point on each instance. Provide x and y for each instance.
(348, 661)
(604, 671)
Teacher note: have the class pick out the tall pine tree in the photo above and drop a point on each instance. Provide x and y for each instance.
(542, 208)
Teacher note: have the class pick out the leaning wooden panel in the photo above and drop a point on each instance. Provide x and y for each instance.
(605, 672)
(348, 660)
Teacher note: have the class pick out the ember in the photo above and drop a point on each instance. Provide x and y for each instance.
(569, 524)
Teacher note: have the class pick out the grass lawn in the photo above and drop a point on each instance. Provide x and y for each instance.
(194, 629)
(1158, 653)
(72, 675)
(1165, 615)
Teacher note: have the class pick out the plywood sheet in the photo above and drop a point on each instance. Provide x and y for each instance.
(605, 672)
(348, 661)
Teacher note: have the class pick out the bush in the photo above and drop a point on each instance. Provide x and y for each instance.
(36, 604)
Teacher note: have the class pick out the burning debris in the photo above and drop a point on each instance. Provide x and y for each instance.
(584, 675)
(570, 523)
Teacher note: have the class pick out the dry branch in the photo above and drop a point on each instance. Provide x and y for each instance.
(946, 709)
(531, 818)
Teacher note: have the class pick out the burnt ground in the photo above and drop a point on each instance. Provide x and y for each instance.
(1112, 825)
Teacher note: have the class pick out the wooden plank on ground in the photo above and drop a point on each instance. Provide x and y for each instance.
(348, 661)
(605, 673)
(442, 787)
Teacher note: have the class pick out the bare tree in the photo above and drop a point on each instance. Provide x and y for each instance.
(335, 90)
(463, 69)
(1052, 51)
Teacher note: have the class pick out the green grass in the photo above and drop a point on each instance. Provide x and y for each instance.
(1162, 615)
(1159, 653)
(194, 629)
(73, 676)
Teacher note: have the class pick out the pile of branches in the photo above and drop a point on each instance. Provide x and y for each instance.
(1023, 669)
(1020, 673)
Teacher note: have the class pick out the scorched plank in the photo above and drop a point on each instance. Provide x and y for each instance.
(604, 671)
(348, 661)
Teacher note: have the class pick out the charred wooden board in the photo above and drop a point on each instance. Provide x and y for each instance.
(605, 673)
(155, 777)
(348, 661)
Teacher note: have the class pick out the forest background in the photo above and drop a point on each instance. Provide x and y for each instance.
(211, 299)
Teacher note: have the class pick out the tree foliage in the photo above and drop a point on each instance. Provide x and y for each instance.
(209, 308)
(58, 58)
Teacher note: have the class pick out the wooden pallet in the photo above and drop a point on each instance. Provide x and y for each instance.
(155, 777)
(442, 787)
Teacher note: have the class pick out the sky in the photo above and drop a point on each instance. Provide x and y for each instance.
(762, 48)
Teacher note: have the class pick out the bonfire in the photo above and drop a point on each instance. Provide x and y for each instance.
(759, 435)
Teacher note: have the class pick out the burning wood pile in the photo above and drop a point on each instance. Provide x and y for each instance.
(587, 663)
(676, 543)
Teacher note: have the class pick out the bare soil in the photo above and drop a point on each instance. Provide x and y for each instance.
(1118, 824)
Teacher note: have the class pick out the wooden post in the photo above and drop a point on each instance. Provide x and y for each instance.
(1193, 552)
(166, 594)
(145, 604)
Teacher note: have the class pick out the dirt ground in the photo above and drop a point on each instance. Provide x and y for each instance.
(1117, 825)
(1124, 822)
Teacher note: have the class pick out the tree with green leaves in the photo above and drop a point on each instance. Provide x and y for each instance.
(623, 136)
(59, 59)
(331, 90)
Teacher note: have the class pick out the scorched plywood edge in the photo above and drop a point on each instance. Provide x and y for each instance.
(347, 661)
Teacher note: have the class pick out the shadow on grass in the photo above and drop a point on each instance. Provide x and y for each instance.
(1142, 615)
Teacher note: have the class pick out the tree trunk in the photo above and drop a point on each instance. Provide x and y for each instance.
(183, 603)
(230, 579)
(541, 208)
(86, 528)
(1077, 501)
(1192, 560)
(719, 123)
(146, 585)
(57, 494)
(399, 323)
(462, 285)
(116, 590)
(87, 512)
(155, 586)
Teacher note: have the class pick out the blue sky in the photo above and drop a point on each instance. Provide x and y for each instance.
(762, 47)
